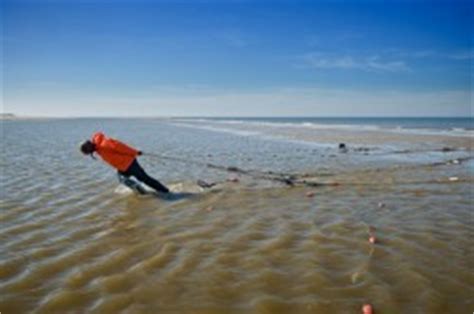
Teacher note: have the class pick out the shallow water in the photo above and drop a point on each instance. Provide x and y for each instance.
(72, 241)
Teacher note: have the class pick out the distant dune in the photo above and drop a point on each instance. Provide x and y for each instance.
(8, 116)
(11, 116)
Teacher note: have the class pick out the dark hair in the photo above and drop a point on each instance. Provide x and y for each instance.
(87, 148)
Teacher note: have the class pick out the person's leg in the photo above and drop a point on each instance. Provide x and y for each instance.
(137, 171)
(124, 178)
(122, 175)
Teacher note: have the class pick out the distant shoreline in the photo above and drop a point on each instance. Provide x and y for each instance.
(11, 116)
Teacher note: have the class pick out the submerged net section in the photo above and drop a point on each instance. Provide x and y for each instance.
(315, 179)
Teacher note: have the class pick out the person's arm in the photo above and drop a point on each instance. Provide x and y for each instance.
(97, 138)
(123, 148)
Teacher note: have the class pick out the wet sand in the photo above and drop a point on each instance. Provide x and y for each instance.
(71, 242)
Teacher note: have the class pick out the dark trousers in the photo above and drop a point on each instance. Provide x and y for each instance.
(137, 171)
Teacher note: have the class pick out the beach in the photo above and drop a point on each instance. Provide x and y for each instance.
(387, 221)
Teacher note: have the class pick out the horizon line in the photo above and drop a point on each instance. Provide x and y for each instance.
(16, 116)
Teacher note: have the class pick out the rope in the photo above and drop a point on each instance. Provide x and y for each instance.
(188, 161)
(287, 179)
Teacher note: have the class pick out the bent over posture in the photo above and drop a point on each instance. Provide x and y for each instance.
(122, 157)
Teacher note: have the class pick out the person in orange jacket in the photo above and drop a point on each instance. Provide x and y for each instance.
(122, 157)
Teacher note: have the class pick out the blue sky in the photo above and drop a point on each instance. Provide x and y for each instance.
(237, 58)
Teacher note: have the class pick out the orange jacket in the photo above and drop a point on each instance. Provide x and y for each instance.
(113, 152)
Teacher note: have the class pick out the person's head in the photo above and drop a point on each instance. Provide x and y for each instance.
(87, 148)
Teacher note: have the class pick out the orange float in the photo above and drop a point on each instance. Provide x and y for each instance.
(367, 309)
